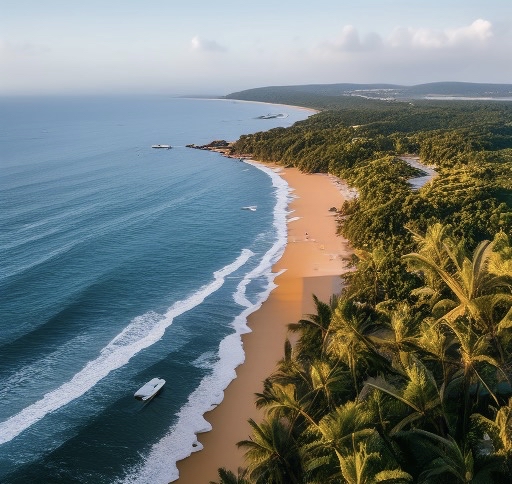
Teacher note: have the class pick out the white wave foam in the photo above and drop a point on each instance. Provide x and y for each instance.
(181, 440)
(16, 383)
(276, 251)
(206, 360)
(141, 333)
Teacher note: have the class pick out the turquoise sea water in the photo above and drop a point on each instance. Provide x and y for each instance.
(119, 263)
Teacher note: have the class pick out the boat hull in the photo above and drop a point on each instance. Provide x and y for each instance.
(146, 392)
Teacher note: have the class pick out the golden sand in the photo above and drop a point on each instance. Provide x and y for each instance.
(313, 260)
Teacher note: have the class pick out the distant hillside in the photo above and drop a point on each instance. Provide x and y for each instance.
(331, 96)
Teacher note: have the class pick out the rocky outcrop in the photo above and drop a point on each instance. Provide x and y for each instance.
(215, 145)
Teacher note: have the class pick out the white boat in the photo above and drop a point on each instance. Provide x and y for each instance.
(252, 208)
(150, 389)
(165, 147)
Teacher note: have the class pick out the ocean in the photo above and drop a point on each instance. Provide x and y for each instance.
(120, 263)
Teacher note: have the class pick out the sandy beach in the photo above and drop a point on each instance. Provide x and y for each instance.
(312, 262)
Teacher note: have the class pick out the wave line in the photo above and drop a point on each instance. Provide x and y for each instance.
(141, 333)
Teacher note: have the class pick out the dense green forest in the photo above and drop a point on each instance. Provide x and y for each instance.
(332, 96)
(406, 375)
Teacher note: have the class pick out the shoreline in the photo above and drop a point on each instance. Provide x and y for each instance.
(312, 262)
(302, 108)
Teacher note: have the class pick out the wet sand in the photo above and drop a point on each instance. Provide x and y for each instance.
(313, 260)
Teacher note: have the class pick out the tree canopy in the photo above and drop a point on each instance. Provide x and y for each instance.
(406, 375)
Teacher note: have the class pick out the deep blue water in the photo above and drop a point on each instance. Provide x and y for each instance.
(119, 263)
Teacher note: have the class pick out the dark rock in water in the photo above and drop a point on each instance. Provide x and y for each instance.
(272, 116)
(219, 144)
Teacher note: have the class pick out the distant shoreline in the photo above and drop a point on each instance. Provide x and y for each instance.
(268, 103)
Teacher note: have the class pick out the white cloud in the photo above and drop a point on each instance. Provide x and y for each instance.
(473, 52)
(478, 33)
(350, 41)
(480, 30)
(203, 45)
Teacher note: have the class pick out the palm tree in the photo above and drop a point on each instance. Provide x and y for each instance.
(363, 467)
(287, 366)
(228, 477)
(419, 394)
(358, 466)
(501, 259)
(349, 338)
(307, 378)
(415, 382)
(472, 311)
(432, 247)
(329, 383)
(272, 453)
(503, 422)
(304, 392)
(494, 436)
(454, 462)
(281, 401)
(438, 345)
(472, 284)
(400, 335)
(335, 436)
(313, 330)
(371, 264)
(476, 365)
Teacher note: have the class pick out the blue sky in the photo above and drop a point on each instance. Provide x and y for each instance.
(217, 47)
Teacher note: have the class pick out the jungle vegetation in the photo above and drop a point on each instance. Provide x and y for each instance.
(406, 375)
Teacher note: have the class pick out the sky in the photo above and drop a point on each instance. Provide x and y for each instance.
(215, 47)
